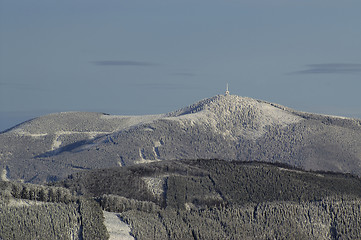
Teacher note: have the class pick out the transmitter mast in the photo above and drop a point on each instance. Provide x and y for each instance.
(227, 92)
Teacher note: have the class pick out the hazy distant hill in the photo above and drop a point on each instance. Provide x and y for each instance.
(225, 127)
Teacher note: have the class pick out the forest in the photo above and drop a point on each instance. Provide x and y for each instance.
(187, 199)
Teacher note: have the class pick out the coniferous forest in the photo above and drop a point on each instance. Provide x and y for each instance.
(187, 199)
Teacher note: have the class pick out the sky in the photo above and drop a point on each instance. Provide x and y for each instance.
(135, 57)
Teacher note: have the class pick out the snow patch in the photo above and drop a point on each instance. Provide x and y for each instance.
(21, 132)
(143, 160)
(117, 229)
(155, 185)
(291, 170)
(57, 143)
(132, 121)
(158, 144)
(4, 175)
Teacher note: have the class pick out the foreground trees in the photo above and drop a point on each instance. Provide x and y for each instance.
(189, 199)
(29, 211)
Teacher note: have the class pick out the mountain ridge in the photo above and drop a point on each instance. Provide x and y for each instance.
(224, 127)
(208, 104)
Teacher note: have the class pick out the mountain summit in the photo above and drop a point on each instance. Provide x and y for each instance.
(225, 127)
(238, 116)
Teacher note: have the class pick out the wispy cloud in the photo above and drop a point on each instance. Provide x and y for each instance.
(124, 63)
(331, 68)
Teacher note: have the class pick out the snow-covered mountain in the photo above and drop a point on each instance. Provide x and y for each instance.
(224, 127)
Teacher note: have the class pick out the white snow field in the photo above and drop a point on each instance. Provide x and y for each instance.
(117, 229)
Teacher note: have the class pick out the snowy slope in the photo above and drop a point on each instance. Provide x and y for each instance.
(226, 127)
(236, 116)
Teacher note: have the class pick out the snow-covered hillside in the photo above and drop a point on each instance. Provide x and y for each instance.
(225, 127)
(236, 116)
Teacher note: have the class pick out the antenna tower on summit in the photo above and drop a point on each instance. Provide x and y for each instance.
(227, 92)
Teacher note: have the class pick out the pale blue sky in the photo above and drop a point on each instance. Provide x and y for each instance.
(147, 57)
